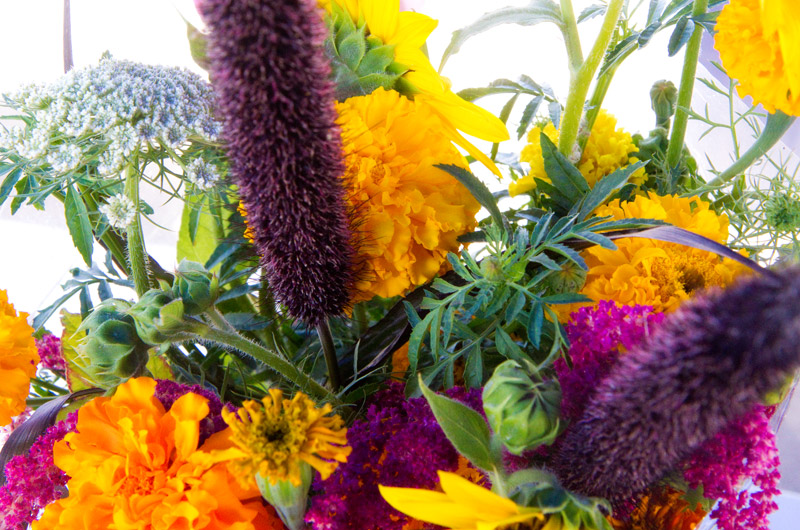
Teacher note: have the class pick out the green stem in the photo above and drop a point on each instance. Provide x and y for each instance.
(571, 38)
(579, 87)
(329, 350)
(272, 360)
(777, 125)
(687, 87)
(137, 256)
(596, 101)
(360, 318)
(218, 319)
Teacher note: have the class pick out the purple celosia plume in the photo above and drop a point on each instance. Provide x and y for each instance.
(707, 364)
(50, 352)
(271, 79)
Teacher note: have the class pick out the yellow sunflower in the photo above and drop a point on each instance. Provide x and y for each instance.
(608, 149)
(648, 272)
(18, 360)
(463, 505)
(407, 33)
(410, 213)
(759, 43)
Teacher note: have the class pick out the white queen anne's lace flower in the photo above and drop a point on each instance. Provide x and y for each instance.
(104, 113)
(119, 211)
(202, 174)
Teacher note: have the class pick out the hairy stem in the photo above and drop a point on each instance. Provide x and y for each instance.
(137, 256)
(687, 87)
(571, 38)
(579, 87)
(328, 349)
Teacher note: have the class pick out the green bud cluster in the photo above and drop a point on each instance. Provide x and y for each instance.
(570, 279)
(524, 413)
(664, 99)
(158, 317)
(112, 347)
(783, 212)
(195, 286)
(360, 62)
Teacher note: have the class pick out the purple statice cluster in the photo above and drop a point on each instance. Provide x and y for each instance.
(168, 392)
(397, 443)
(50, 353)
(597, 335)
(33, 481)
(746, 448)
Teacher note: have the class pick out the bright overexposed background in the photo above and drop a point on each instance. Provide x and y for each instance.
(36, 249)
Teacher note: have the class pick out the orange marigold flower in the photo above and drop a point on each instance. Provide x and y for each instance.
(648, 272)
(18, 359)
(134, 466)
(277, 436)
(662, 508)
(411, 212)
(759, 44)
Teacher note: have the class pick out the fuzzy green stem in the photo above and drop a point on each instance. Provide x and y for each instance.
(329, 350)
(596, 101)
(137, 256)
(579, 87)
(287, 370)
(571, 38)
(777, 125)
(687, 87)
(218, 319)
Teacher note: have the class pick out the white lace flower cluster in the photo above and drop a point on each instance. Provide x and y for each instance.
(119, 210)
(102, 114)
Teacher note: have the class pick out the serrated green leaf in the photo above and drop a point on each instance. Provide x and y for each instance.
(535, 323)
(527, 116)
(418, 334)
(680, 35)
(545, 261)
(594, 10)
(78, 223)
(605, 188)
(535, 12)
(459, 268)
(569, 254)
(562, 173)
(8, 184)
(505, 112)
(478, 190)
(507, 347)
(465, 428)
(566, 298)
(516, 306)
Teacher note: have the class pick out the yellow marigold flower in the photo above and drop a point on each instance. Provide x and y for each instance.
(607, 150)
(133, 466)
(275, 437)
(410, 212)
(18, 359)
(649, 272)
(407, 32)
(759, 43)
(463, 505)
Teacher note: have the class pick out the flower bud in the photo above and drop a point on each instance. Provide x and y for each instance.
(158, 317)
(290, 501)
(523, 412)
(111, 345)
(570, 279)
(664, 99)
(195, 286)
(492, 269)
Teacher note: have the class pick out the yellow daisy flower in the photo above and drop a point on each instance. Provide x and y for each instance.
(408, 212)
(607, 150)
(655, 273)
(463, 505)
(407, 32)
(18, 359)
(277, 436)
(759, 43)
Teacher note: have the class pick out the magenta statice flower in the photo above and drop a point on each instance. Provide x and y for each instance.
(167, 392)
(707, 364)
(33, 481)
(50, 353)
(275, 96)
(746, 448)
(397, 443)
(597, 335)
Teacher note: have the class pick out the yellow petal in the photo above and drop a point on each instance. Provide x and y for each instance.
(477, 497)
(465, 144)
(412, 30)
(382, 17)
(782, 17)
(429, 506)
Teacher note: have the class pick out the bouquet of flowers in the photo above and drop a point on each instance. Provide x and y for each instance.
(360, 333)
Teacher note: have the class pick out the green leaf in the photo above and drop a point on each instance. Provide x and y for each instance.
(505, 112)
(606, 187)
(465, 428)
(535, 323)
(566, 298)
(680, 35)
(507, 347)
(200, 232)
(78, 223)
(535, 12)
(478, 190)
(8, 184)
(594, 10)
(459, 268)
(527, 116)
(563, 174)
(352, 49)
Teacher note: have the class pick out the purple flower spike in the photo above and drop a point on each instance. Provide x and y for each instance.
(271, 79)
(709, 363)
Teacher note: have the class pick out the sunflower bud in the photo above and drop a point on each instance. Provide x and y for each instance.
(523, 412)
(195, 286)
(570, 279)
(158, 317)
(664, 99)
(112, 346)
(289, 500)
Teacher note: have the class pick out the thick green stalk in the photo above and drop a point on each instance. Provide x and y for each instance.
(777, 125)
(579, 87)
(137, 256)
(596, 101)
(329, 350)
(284, 368)
(687, 87)
(571, 38)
